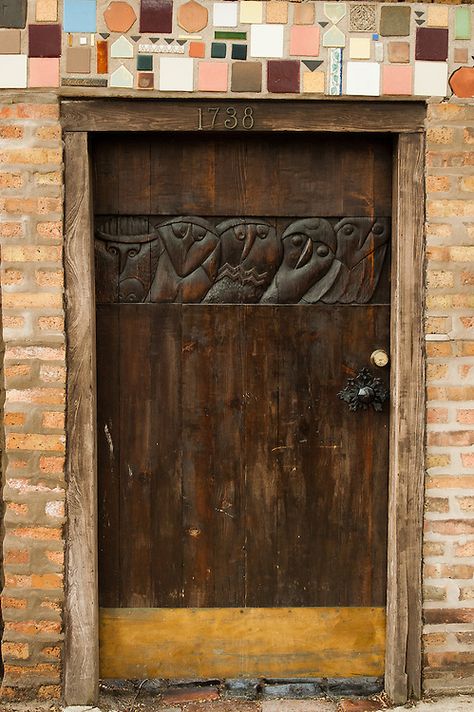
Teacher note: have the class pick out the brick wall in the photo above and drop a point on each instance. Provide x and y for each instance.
(449, 519)
(34, 372)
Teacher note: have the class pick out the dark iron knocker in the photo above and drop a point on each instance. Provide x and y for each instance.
(363, 391)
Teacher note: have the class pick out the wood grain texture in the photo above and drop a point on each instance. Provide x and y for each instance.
(288, 115)
(220, 643)
(81, 607)
(404, 604)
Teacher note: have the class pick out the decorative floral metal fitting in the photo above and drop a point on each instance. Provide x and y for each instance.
(363, 391)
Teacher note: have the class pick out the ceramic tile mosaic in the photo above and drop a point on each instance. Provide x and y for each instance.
(335, 46)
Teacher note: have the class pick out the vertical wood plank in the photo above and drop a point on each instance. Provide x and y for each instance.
(404, 612)
(81, 666)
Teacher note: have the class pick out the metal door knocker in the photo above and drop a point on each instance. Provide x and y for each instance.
(363, 391)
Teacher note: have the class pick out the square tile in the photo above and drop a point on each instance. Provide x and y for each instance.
(395, 21)
(218, 50)
(13, 13)
(156, 16)
(80, 16)
(399, 52)
(461, 55)
(176, 74)
(431, 78)
(46, 11)
(362, 18)
(462, 23)
(246, 76)
(78, 60)
(397, 80)
(212, 76)
(304, 13)
(239, 51)
(145, 62)
(43, 72)
(437, 16)
(145, 80)
(304, 41)
(283, 77)
(363, 79)
(431, 44)
(225, 14)
(10, 41)
(277, 12)
(266, 40)
(251, 11)
(13, 71)
(359, 48)
(197, 49)
(313, 82)
(44, 40)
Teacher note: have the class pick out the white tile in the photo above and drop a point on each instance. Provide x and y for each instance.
(176, 74)
(251, 11)
(334, 37)
(13, 71)
(378, 51)
(266, 40)
(335, 11)
(431, 78)
(225, 14)
(122, 77)
(121, 48)
(363, 78)
(359, 48)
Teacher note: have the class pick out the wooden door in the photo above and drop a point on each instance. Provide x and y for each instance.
(242, 283)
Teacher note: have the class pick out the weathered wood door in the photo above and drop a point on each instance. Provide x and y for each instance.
(241, 281)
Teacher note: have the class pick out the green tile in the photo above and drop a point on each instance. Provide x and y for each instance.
(462, 23)
(145, 62)
(224, 35)
(218, 50)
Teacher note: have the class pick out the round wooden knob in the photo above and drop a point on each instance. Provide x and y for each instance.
(379, 358)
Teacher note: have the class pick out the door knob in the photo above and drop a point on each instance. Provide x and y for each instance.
(363, 391)
(379, 358)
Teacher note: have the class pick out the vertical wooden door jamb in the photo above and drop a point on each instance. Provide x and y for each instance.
(405, 519)
(81, 666)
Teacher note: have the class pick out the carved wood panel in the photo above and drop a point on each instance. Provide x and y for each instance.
(240, 260)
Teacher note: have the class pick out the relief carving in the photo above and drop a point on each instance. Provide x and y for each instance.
(241, 260)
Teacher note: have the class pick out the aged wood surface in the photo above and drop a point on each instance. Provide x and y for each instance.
(404, 621)
(229, 642)
(290, 115)
(81, 610)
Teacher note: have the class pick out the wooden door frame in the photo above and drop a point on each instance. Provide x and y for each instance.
(403, 119)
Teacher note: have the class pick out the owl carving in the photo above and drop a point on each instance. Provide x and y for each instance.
(188, 260)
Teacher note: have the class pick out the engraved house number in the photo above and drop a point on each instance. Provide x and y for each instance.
(229, 118)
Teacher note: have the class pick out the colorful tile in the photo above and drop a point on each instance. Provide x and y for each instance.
(313, 82)
(102, 57)
(437, 16)
(212, 76)
(283, 76)
(359, 48)
(246, 77)
(461, 55)
(462, 82)
(10, 41)
(431, 79)
(251, 11)
(197, 49)
(431, 44)
(44, 40)
(119, 16)
(46, 11)
(225, 14)
(397, 80)
(304, 41)
(398, 52)
(121, 78)
(363, 79)
(335, 71)
(122, 47)
(304, 13)
(218, 50)
(156, 16)
(462, 23)
(192, 16)
(78, 60)
(80, 16)
(145, 80)
(13, 15)
(145, 62)
(43, 72)
(176, 74)
(362, 18)
(13, 71)
(266, 41)
(277, 12)
(229, 35)
(395, 21)
(239, 51)
(334, 11)
(334, 37)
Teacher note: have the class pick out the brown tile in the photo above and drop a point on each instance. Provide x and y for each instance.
(44, 40)
(119, 16)
(78, 60)
(174, 695)
(462, 82)
(246, 76)
(283, 76)
(399, 52)
(10, 41)
(395, 21)
(156, 16)
(461, 55)
(358, 706)
(13, 13)
(102, 57)
(431, 44)
(277, 12)
(304, 13)
(145, 80)
(192, 16)
(224, 706)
